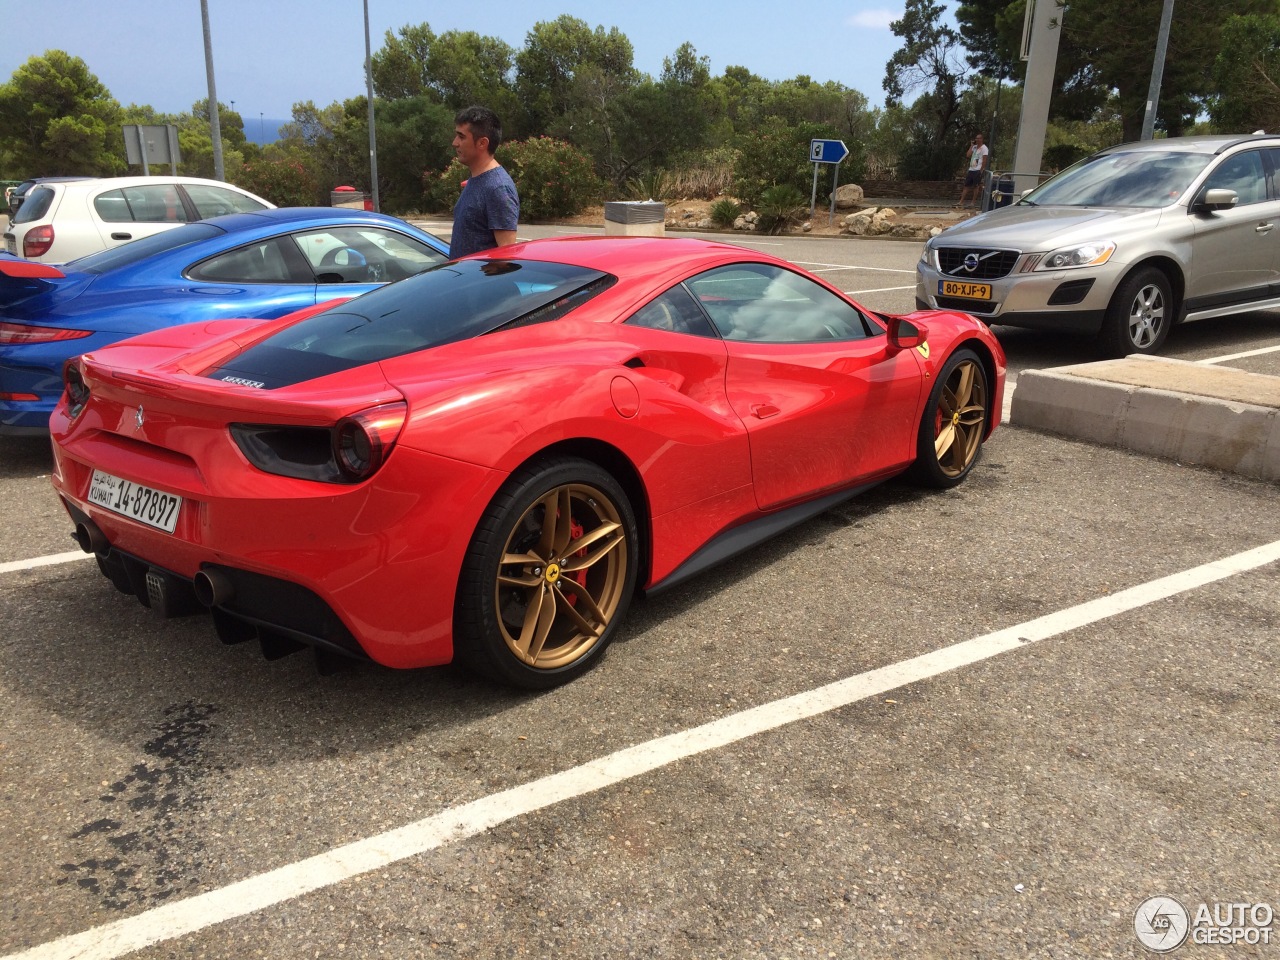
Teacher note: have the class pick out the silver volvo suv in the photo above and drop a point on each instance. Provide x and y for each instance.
(1123, 244)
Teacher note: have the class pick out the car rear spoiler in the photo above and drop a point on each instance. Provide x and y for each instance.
(21, 278)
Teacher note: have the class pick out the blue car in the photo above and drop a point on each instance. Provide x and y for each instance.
(262, 264)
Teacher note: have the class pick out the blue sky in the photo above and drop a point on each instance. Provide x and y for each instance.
(270, 54)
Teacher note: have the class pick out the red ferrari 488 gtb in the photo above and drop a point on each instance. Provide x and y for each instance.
(487, 460)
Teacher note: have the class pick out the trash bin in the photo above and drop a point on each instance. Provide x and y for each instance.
(635, 218)
(348, 197)
(1002, 191)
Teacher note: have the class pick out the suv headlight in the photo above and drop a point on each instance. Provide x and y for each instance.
(926, 253)
(1082, 255)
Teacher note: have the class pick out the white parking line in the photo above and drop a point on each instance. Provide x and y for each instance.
(1240, 356)
(811, 264)
(378, 852)
(854, 293)
(55, 558)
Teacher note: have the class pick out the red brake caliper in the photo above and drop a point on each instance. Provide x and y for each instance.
(575, 533)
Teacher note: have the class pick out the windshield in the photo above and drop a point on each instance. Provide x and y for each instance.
(449, 302)
(1140, 178)
(132, 252)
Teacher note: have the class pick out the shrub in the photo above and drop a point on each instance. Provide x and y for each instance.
(554, 179)
(285, 182)
(779, 208)
(655, 185)
(778, 153)
(441, 189)
(725, 211)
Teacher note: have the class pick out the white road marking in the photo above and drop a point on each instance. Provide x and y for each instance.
(810, 264)
(1240, 356)
(53, 559)
(378, 852)
(854, 293)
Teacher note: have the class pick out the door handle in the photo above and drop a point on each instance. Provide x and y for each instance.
(122, 236)
(764, 410)
(1264, 227)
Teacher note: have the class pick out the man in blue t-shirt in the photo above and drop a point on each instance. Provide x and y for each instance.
(485, 215)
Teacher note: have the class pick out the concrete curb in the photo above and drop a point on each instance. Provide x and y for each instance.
(1127, 403)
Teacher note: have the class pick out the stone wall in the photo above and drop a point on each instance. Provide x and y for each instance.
(939, 190)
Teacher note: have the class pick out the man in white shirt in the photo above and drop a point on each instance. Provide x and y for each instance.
(977, 155)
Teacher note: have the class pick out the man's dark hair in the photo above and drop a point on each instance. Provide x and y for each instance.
(483, 123)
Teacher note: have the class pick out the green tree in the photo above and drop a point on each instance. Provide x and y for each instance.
(548, 66)
(465, 68)
(400, 68)
(56, 117)
(1247, 74)
(415, 135)
(930, 60)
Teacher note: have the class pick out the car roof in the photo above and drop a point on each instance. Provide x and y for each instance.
(1197, 144)
(630, 257)
(233, 222)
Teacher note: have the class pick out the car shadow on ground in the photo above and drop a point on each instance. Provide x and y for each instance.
(25, 457)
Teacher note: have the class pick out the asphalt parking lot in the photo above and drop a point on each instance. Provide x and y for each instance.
(983, 723)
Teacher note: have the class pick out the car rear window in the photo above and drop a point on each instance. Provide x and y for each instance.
(449, 302)
(35, 205)
(132, 252)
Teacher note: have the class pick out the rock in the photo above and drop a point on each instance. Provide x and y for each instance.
(705, 223)
(806, 226)
(906, 230)
(740, 223)
(935, 231)
(848, 195)
(752, 216)
(859, 224)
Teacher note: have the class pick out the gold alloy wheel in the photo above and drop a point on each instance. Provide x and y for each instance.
(961, 418)
(561, 576)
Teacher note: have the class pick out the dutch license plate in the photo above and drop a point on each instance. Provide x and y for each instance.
(958, 288)
(155, 508)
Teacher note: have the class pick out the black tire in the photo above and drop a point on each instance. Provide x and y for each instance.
(502, 628)
(1139, 315)
(953, 424)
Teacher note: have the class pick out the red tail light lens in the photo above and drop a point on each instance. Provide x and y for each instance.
(362, 442)
(37, 241)
(27, 333)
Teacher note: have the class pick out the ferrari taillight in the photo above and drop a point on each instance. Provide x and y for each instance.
(76, 389)
(349, 452)
(362, 441)
(37, 241)
(29, 333)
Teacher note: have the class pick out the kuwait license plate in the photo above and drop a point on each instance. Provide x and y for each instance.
(959, 288)
(152, 507)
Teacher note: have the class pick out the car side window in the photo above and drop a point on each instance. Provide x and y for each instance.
(153, 203)
(263, 262)
(763, 303)
(1242, 173)
(34, 206)
(674, 310)
(364, 254)
(213, 201)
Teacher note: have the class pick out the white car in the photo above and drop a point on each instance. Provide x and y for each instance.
(60, 221)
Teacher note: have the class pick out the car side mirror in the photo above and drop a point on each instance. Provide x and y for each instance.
(1217, 198)
(904, 334)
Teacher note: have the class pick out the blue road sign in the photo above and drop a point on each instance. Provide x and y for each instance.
(827, 151)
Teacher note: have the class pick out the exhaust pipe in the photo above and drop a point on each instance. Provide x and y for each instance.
(90, 538)
(213, 588)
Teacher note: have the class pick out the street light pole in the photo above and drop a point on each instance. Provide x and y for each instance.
(215, 129)
(373, 133)
(1157, 72)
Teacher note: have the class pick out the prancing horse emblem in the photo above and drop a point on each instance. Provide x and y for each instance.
(138, 418)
